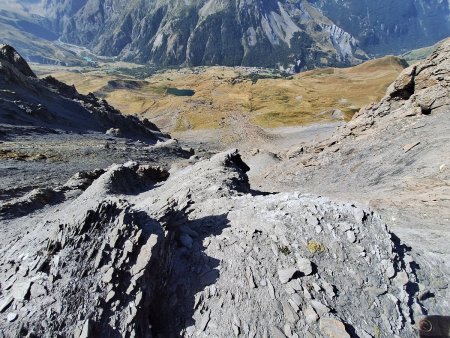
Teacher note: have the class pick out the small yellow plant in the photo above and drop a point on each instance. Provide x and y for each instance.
(377, 331)
(315, 247)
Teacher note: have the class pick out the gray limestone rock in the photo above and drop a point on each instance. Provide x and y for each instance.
(37, 290)
(138, 236)
(21, 290)
(333, 328)
(12, 316)
(320, 308)
(289, 313)
(6, 302)
(285, 275)
(310, 315)
(305, 266)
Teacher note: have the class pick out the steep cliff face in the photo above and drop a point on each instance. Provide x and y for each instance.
(252, 33)
(385, 26)
(290, 33)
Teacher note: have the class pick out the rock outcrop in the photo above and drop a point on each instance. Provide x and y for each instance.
(392, 155)
(201, 254)
(26, 100)
(10, 55)
(421, 89)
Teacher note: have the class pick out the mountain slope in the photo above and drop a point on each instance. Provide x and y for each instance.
(31, 34)
(256, 33)
(299, 34)
(26, 100)
(385, 26)
(392, 155)
(205, 32)
(196, 254)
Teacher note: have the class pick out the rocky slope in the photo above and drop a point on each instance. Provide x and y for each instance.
(135, 250)
(26, 100)
(197, 254)
(393, 155)
(48, 131)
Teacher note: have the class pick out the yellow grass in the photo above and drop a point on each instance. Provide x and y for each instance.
(306, 98)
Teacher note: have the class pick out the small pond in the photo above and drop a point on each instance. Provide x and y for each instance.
(180, 92)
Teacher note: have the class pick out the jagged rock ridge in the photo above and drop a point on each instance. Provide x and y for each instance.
(391, 154)
(196, 255)
(26, 100)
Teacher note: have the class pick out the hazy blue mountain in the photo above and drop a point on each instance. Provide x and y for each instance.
(386, 26)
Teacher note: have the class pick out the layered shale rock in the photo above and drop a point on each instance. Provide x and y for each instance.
(201, 254)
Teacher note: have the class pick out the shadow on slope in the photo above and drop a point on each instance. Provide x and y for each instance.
(28, 101)
(185, 271)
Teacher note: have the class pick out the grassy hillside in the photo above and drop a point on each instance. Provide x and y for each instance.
(207, 97)
(417, 55)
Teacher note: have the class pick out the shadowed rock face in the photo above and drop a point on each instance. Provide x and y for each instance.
(10, 55)
(28, 101)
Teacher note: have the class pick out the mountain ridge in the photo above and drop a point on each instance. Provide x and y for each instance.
(49, 103)
(294, 35)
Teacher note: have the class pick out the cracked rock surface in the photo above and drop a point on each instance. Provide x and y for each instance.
(393, 156)
(203, 255)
